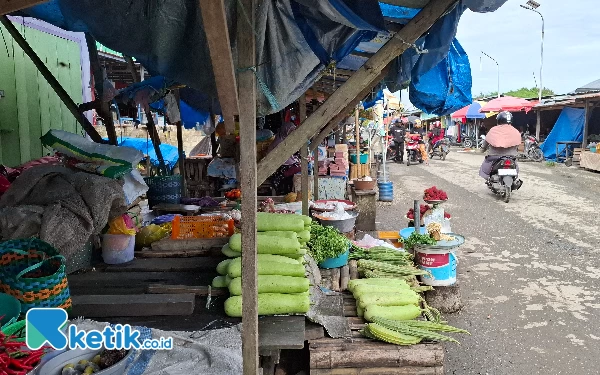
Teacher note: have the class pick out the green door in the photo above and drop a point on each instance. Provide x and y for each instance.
(29, 106)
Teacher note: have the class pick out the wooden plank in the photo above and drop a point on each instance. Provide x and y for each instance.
(281, 332)
(166, 265)
(248, 171)
(201, 291)
(175, 253)
(344, 277)
(168, 244)
(102, 306)
(363, 77)
(353, 269)
(367, 358)
(219, 47)
(10, 6)
(362, 343)
(60, 91)
(418, 4)
(586, 123)
(313, 331)
(439, 370)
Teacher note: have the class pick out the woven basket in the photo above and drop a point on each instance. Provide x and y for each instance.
(163, 189)
(32, 271)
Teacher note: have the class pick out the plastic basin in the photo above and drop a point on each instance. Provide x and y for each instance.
(340, 261)
(344, 226)
(117, 248)
(10, 308)
(55, 365)
(364, 158)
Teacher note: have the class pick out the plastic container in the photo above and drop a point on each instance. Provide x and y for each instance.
(117, 248)
(386, 191)
(55, 365)
(10, 309)
(344, 226)
(441, 264)
(364, 158)
(201, 227)
(406, 232)
(337, 262)
(364, 185)
(593, 149)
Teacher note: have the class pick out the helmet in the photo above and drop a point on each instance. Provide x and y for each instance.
(504, 118)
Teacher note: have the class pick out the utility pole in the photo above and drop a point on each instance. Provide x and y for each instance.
(498, 66)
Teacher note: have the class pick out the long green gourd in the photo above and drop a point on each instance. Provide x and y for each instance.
(281, 233)
(360, 290)
(376, 281)
(273, 222)
(223, 266)
(219, 282)
(271, 304)
(407, 312)
(389, 299)
(267, 268)
(267, 244)
(273, 284)
(226, 250)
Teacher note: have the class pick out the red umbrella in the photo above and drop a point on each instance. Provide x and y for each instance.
(507, 103)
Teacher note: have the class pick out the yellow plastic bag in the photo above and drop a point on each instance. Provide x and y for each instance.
(151, 233)
(119, 226)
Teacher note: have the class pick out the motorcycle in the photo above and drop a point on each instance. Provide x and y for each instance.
(413, 153)
(439, 148)
(532, 148)
(504, 177)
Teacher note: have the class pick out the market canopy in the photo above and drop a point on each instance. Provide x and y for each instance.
(469, 111)
(296, 41)
(507, 103)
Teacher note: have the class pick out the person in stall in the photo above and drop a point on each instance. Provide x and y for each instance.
(283, 178)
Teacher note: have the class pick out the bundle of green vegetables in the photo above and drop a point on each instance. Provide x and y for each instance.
(282, 283)
(326, 242)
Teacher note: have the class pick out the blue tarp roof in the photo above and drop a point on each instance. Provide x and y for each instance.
(296, 40)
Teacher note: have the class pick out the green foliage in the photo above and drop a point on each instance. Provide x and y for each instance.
(550, 164)
(523, 92)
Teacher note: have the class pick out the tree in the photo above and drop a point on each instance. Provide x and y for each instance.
(523, 92)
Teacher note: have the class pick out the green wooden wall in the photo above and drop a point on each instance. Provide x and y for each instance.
(30, 107)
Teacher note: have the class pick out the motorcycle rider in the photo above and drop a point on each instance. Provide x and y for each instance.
(398, 131)
(503, 119)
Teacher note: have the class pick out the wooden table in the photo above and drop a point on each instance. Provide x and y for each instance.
(590, 160)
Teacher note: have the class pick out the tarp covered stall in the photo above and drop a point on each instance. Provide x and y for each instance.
(296, 39)
(568, 127)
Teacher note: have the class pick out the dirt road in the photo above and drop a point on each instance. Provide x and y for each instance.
(529, 271)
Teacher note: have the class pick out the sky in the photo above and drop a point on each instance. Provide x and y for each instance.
(512, 36)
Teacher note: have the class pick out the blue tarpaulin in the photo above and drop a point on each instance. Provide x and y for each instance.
(296, 39)
(568, 127)
(169, 152)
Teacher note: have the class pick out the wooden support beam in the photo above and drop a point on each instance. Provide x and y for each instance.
(247, 106)
(304, 161)
(52, 81)
(98, 73)
(418, 4)
(586, 123)
(181, 160)
(363, 77)
(538, 124)
(84, 107)
(10, 6)
(217, 36)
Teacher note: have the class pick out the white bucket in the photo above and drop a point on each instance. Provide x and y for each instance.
(117, 248)
(440, 264)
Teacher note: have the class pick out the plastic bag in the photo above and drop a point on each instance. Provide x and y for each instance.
(122, 225)
(151, 233)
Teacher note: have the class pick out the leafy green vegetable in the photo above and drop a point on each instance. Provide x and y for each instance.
(326, 242)
(416, 239)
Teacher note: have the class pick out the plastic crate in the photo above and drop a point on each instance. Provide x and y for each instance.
(185, 227)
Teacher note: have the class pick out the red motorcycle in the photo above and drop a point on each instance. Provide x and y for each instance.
(413, 150)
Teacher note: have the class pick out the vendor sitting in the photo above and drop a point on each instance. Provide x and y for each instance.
(283, 178)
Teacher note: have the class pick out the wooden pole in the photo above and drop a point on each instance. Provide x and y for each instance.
(538, 124)
(316, 171)
(247, 106)
(219, 47)
(181, 160)
(10, 6)
(363, 77)
(151, 127)
(304, 161)
(52, 81)
(103, 107)
(357, 129)
(586, 124)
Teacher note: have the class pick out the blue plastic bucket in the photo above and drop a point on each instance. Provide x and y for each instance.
(337, 262)
(386, 191)
(440, 264)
